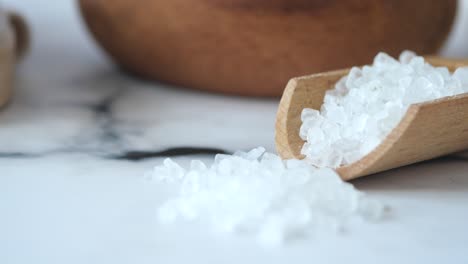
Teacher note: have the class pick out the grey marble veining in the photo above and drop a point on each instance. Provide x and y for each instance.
(79, 136)
(109, 113)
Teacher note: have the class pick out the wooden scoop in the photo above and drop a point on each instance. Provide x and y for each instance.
(428, 130)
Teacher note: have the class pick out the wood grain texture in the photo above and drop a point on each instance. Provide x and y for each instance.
(253, 47)
(273, 5)
(428, 130)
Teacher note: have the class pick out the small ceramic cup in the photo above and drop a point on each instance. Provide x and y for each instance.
(13, 44)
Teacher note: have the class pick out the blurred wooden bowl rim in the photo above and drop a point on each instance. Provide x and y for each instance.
(253, 47)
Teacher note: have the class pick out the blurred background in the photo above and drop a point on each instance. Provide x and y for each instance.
(242, 47)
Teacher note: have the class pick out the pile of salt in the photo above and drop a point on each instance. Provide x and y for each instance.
(368, 103)
(257, 192)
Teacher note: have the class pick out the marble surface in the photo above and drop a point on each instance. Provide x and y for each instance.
(79, 135)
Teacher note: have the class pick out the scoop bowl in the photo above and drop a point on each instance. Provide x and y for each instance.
(428, 130)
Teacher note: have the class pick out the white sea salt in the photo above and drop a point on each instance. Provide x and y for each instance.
(256, 192)
(364, 106)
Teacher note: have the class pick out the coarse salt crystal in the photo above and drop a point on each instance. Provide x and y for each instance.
(368, 103)
(257, 192)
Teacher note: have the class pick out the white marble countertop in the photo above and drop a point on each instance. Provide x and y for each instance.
(76, 139)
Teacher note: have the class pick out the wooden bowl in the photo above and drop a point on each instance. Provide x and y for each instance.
(253, 47)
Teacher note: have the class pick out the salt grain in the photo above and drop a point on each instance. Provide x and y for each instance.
(257, 192)
(368, 103)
